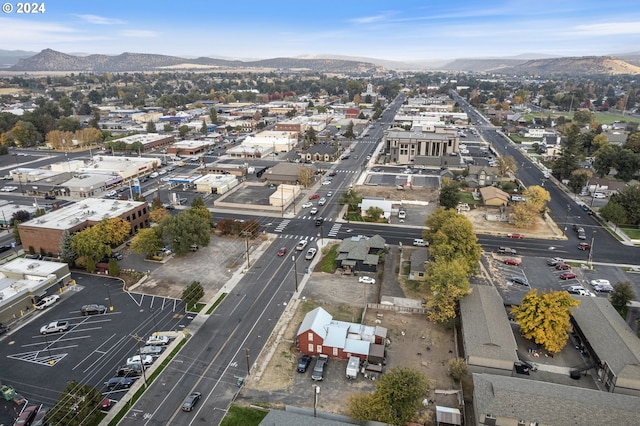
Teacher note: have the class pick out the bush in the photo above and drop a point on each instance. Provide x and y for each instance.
(457, 369)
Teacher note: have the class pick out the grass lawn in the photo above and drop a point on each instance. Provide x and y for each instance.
(467, 197)
(633, 233)
(601, 118)
(329, 260)
(243, 416)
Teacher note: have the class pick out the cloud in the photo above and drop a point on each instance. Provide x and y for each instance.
(368, 19)
(139, 33)
(609, 28)
(100, 20)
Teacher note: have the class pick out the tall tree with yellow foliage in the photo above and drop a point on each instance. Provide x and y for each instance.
(544, 318)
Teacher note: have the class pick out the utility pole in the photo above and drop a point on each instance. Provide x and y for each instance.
(316, 392)
(593, 239)
(247, 243)
(144, 374)
(246, 351)
(295, 270)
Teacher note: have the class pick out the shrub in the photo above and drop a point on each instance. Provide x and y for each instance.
(457, 369)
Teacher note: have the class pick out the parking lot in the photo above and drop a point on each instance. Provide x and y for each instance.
(94, 346)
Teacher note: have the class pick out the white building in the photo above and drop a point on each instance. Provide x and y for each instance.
(215, 184)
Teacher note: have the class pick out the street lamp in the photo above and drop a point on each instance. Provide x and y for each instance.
(316, 392)
(109, 296)
(593, 238)
(295, 270)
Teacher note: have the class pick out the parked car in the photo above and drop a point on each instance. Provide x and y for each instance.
(511, 261)
(49, 197)
(600, 282)
(26, 417)
(310, 253)
(115, 383)
(419, 242)
(93, 309)
(301, 245)
(579, 290)
(332, 174)
(151, 350)
(318, 368)
(562, 267)
(303, 363)
(157, 340)
(45, 302)
(282, 251)
(584, 246)
(191, 401)
(137, 359)
(314, 196)
(516, 236)
(554, 261)
(567, 276)
(134, 370)
(54, 327)
(520, 280)
(366, 280)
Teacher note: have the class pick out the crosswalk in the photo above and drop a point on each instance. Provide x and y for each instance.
(334, 230)
(312, 217)
(282, 225)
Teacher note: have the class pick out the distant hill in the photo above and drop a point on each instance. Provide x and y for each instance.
(51, 60)
(11, 57)
(585, 65)
(481, 65)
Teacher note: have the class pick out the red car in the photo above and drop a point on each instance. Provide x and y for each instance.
(567, 276)
(27, 416)
(517, 236)
(584, 246)
(562, 267)
(314, 196)
(282, 251)
(511, 261)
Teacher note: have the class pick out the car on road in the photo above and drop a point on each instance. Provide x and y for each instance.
(314, 196)
(322, 201)
(579, 290)
(191, 401)
(282, 251)
(301, 245)
(319, 221)
(303, 363)
(520, 280)
(332, 174)
(137, 359)
(326, 182)
(318, 368)
(310, 253)
(584, 246)
(49, 197)
(419, 242)
(3, 329)
(554, 261)
(511, 261)
(54, 327)
(151, 350)
(366, 280)
(45, 302)
(506, 250)
(313, 211)
(567, 276)
(330, 193)
(307, 205)
(93, 309)
(516, 236)
(116, 383)
(562, 267)
(157, 340)
(376, 169)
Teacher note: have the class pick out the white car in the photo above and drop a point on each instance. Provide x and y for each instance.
(600, 283)
(313, 210)
(322, 201)
(301, 245)
(307, 205)
(310, 253)
(329, 194)
(47, 301)
(137, 359)
(156, 340)
(326, 182)
(366, 280)
(579, 290)
(151, 350)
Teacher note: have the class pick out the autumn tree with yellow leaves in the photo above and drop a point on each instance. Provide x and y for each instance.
(544, 318)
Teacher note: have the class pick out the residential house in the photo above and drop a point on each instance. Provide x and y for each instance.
(360, 253)
(480, 176)
(320, 152)
(418, 264)
(492, 196)
(319, 334)
(286, 172)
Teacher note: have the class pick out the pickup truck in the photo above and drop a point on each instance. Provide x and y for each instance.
(45, 302)
(54, 327)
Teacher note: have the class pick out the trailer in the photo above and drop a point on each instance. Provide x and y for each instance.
(352, 367)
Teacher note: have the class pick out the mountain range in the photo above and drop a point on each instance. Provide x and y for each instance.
(530, 64)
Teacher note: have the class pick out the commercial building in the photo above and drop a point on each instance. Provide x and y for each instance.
(420, 148)
(215, 184)
(45, 232)
(148, 141)
(191, 147)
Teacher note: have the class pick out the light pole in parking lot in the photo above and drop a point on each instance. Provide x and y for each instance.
(109, 297)
(316, 392)
(295, 270)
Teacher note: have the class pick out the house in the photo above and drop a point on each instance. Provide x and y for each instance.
(381, 203)
(359, 253)
(320, 152)
(501, 400)
(419, 259)
(488, 342)
(320, 334)
(492, 196)
(480, 176)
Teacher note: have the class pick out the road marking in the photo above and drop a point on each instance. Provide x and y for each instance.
(334, 230)
(282, 225)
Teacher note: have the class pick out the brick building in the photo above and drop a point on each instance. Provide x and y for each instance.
(45, 232)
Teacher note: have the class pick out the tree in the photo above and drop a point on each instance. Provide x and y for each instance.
(25, 134)
(213, 115)
(567, 162)
(168, 128)
(66, 251)
(310, 135)
(537, 198)
(158, 215)
(88, 243)
(397, 398)
(449, 282)
(579, 179)
(192, 294)
(305, 176)
(621, 295)
(204, 129)
(348, 133)
(16, 232)
(183, 130)
(156, 203)
(449, 194)
(523, 215)
(614, 213)
(633, 142)
(151, 127)
(629, 198)
(112, 231)
(374, 213)
(544, 318)
(506, 164)
(186, 229)
(147, 241)
(452, 239)
(78, 405)
(582, 118)
(114, 268)
(21, 216)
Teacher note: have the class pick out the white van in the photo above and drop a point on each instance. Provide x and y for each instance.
(420, 242)
(599, 195)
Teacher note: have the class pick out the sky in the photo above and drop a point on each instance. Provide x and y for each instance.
(409, 31)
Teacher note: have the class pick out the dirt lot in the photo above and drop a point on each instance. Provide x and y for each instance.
(415, 343)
